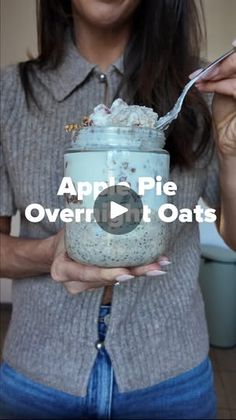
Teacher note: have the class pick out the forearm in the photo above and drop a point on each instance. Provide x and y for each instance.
(25, 257)
(227, 220)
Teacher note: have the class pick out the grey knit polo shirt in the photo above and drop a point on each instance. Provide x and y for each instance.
(157, 327)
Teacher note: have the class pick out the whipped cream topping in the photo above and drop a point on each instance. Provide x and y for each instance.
(123, 115)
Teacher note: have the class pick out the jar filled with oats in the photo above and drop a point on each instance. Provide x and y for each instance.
(122, 144)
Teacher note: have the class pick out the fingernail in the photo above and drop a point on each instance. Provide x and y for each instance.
(195, 73)
(199, 86)
(211, 73)
(234, 43)
(155, 273)
(124, 277)
(164, 263)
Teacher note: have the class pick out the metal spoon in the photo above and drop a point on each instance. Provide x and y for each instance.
(164, 122)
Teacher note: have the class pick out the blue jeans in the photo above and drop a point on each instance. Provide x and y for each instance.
(188, 396)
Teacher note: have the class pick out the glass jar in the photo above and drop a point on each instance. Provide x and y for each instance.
(125, 153)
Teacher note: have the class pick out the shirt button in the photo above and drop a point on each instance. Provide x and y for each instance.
(99, 345)
(102, 78)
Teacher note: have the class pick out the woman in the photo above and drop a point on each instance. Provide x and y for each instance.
(150, 357)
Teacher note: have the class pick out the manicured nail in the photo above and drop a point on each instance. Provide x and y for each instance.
(195, 73)
(211, 73)
(234, 43)
(164, 263)
(199, 86)
(124, 277)
(155, 273)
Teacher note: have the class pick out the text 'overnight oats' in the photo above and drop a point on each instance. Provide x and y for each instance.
(121, 143)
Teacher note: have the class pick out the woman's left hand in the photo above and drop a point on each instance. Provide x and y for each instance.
(222, 82)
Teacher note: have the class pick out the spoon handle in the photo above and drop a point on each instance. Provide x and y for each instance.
(213, 64)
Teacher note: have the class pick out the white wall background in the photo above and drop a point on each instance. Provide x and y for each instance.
(221, 25)
(18, 30)
(18, 38)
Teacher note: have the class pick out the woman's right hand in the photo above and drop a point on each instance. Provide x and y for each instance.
(78, 277)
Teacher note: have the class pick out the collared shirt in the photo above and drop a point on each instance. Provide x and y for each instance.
(157, 327)
(74, 71)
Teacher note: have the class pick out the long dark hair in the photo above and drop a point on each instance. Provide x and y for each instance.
(163, 50)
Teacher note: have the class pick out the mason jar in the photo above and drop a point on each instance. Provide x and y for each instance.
(126, 154)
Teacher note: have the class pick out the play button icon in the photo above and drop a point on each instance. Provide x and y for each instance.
(118, 210)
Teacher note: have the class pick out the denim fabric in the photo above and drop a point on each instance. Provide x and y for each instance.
(188, 396)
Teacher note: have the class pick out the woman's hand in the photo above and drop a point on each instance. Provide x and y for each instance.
(78, 277)
(222, 82)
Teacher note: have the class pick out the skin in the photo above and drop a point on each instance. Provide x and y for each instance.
(102, 29)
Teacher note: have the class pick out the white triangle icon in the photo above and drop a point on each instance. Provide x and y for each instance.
(116, 210)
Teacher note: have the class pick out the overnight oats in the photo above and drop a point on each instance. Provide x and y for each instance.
(122, 144)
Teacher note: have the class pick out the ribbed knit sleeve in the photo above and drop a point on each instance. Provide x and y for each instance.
(8, 92)
(7, 204)
(211, 193)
